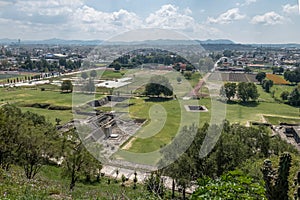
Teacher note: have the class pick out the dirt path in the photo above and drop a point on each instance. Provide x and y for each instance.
(199, 85)
(128, 144)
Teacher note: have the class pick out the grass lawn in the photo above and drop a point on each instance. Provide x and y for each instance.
(50, 184)
(235, 112)
(110, 74)
(156, 134)
(25, 96)
(51, 115)
(278, 89)
(194, 79)
(264, 96)
(278, 120)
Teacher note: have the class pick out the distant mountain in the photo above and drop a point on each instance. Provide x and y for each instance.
(219, 41)
(289, 45)
(8, 41)
(53, 41)
(225, 43)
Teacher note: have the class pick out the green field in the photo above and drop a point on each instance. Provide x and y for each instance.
(24, 97)
(170, 116)
(50, 183)
(277, 120)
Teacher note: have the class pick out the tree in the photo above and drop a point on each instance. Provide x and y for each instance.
(292, 76)
(93, 73)
(159, 85)
(232, 185)
(276, 183)
(227, 53)
(267, 84)
(154, 184)
(247, 91)
(77, 160)
(294, 97)
(123, 178)
(260, 76)
(284, 95)
(57, 120)
(116, 65)
(248, 69)
(178, 79)
(62, 62)
(187, 75)
(84, 75)
(228, 90)
(36, 144)
(67, 86)
(277, 70)
(135, 180)
(89, 86)
(26, 139)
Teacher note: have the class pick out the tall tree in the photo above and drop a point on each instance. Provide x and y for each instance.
(67, 86)
(93, 73)
(228, 90)
(276, 183)
(260, 76)
(247, 91)
(294, 97)
(267, 84)
(77, 160)
(292, 76)
(84, 75)
(37, 143)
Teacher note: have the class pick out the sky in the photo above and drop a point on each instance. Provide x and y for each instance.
(242, 21)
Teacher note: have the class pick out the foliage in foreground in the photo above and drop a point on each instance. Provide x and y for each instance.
(232, 185)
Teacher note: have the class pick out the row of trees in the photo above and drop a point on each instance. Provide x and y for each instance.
(43, 65)
(87, 82)
(244, 91)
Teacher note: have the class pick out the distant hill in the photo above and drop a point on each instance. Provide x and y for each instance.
(53, 41)
(211, 44)
(219, 41)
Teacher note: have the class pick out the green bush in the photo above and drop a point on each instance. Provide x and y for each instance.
(53, 107)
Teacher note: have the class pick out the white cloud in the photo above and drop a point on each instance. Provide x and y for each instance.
(74, 19)
(89, 19)
(228, 17)
(169, 17)
(5, 3)
(290, 9)
(269, 18)
(48, 7)
(188, 11)
(248, 2)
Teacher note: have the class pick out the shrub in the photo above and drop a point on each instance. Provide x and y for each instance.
(59, 108)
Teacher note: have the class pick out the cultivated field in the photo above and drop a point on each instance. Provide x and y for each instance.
(277, 80)
(234, 77)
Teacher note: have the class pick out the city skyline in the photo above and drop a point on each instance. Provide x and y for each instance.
(242, 21)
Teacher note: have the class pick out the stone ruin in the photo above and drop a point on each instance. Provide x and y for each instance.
(196, 108)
